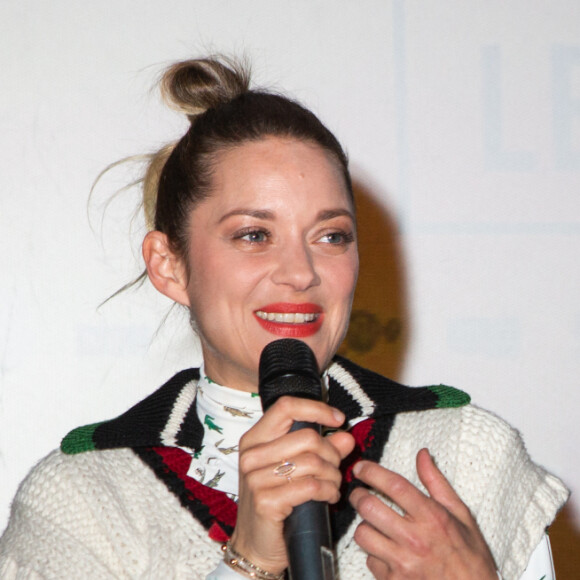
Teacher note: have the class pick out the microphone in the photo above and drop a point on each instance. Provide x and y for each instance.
(288, 367)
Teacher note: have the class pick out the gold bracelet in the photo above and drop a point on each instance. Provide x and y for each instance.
(236, 561)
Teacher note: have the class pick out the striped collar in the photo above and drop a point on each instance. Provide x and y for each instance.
(168, 418)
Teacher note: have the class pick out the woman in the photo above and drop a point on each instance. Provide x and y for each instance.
(253, 230)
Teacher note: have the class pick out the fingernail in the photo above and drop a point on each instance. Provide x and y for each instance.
(356, 468)
(338, 415)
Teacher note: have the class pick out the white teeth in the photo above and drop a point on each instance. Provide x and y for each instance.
(288, 317)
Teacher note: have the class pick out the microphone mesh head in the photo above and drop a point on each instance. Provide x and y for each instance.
(288, 367)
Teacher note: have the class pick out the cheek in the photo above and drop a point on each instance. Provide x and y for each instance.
(202, 292)
(346, 279)
(343, 282)
(223, 285)
(207, 271)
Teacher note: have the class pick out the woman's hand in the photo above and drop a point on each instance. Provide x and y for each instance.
(266, 499)
(436, 538)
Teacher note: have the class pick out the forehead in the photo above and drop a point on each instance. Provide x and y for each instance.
(277, 169)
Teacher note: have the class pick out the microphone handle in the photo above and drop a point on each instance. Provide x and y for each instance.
(307, 535)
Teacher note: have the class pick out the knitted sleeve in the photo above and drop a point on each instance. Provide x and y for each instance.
(516, 500)
(513, 499)
(102, 515)
(51, 532)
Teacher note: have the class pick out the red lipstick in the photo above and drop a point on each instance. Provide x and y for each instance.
(287, 329)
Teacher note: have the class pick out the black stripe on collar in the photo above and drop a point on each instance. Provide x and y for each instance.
(168, 417)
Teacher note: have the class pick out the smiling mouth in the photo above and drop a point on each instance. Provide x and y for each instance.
(288, 317)
(288, 320)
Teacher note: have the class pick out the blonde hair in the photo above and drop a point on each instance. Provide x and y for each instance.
(191, 87)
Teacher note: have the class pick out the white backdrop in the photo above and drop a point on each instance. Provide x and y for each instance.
(462, 118)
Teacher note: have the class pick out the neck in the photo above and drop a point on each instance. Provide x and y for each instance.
(240, 381)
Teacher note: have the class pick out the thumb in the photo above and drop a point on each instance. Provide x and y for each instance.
(343, 442)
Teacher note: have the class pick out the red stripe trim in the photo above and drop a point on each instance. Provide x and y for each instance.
(363, 441)
(219, 504)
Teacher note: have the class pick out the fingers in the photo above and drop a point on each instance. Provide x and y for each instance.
(435, 537)
(282, 414)
(288, 448)
(439, 488)
(401, 491)
(410, 499)
(303, 466)
(378, 547)
(422, 515)
(274, 497)
(378, 568)
(382, 520)
(266, 499)
(268, 443)
(316, 475)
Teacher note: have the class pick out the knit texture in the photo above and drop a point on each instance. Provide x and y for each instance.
(102, 515)
(128, 510)
(512, 499)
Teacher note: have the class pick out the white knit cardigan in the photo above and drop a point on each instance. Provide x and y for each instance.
(105, 515)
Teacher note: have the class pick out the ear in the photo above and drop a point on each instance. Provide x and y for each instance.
(165, 270)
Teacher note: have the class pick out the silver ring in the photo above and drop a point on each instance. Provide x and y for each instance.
(285, 469)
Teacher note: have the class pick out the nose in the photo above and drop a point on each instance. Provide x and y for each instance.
(295, 267)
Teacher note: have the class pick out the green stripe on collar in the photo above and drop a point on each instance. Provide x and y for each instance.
(449, 396)
(80, 440)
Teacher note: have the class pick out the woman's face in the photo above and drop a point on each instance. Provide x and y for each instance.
(272, 255)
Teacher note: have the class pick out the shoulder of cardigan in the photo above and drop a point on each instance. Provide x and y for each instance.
(167, 417)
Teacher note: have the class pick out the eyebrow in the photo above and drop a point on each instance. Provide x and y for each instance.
(323, 215)
(256, 213)
(328, 214)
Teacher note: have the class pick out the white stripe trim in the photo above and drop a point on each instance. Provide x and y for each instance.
(347, 381)
(181, 406)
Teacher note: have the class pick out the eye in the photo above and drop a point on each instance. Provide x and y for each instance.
(252, 235)
(337, 238)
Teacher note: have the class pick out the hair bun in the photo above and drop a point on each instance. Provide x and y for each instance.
(193, 86)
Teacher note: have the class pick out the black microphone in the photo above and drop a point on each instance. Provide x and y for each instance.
(288, 367)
